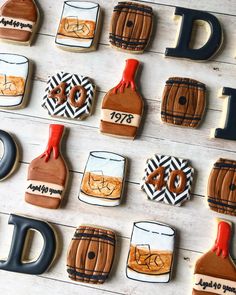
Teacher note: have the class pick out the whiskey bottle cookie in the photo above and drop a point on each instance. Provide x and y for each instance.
(122, 106)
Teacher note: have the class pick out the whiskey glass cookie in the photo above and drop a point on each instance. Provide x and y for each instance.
(131, 26)
(151, 252)
(183, 102)
(90, 255)
(167, 179)
(69, 96)
(103, 179)
(18, 21)
(79, 26)
(48, 173)
(14, 80)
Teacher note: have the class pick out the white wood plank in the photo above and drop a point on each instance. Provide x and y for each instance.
(182, 275)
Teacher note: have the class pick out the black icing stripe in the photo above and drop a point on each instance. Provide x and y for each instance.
(73, 272)
(199, 85)
(222, 204)
(9, 157)
(98, 236)
(225, 165)
(133, 7)
(114, 38)
(180, 117)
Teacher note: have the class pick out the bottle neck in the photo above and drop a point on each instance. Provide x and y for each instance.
(55, 135)
(221, 246)
(130, 69)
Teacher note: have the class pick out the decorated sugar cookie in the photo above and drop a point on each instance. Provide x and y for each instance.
(14, 76)
(168, 179)
(21, 243)
(90, 255)
(47, 174)
(18, 21)
(215, 271)
(79, 26)
(227, 130)
(183, 102)
(69, 96)
(184, 47)
(103, 179)
(122, 106)
(151, 252)
(131, 26)
(9, 157)
(222, 187)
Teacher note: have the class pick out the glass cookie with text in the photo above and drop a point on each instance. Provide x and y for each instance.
(103, 179)
(215, 271)
(18, 21)
(79, 26)
(222, 187)
(69, 96)
(48, 173)
(14, 80)
(122, 106)
(91, 254)
(167, 179)
(183, 102)
(151, 252)
(131, 26)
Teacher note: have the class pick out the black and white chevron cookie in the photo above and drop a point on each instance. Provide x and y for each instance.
(170, 184)
(65, 109)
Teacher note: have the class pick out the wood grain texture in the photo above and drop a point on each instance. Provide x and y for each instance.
(194, 221)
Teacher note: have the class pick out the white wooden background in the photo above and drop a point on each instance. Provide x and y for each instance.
(194, 221)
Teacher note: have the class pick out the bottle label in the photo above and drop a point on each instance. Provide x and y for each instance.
(214, 285)
(16, 23)
(121, 118)
(44, 189)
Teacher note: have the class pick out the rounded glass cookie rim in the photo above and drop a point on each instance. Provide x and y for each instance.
(171, 229)
(26, 60)
(121, 158)
(96, 5)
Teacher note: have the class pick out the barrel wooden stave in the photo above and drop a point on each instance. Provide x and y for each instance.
(222, 187)
(90, 255)
(183, 102)
(131, 26)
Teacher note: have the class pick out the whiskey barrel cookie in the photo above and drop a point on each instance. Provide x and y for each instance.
(151, 252)
(103, 179)
(183, 102)
(18, 21)
(131, 26)
(14, 80)
(222, 187)
(79, 26)
(122, 106)
(69, 96)
(167, 179)
(9, 157)
(47, 174)
(215, 271)
(90, 255)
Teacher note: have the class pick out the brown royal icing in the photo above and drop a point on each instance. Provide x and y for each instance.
(90, 255)
(215, 271)
(17, 20)
(222, 187)
(183, 102)
(122, 106)
(47, 174)
(131, 26)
